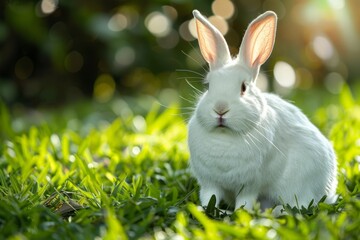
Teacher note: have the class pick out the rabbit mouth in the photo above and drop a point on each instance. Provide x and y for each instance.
(223, 129)
(221, 123)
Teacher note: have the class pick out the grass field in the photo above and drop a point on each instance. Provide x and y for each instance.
(115, 172)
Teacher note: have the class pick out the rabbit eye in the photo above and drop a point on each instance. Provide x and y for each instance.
(243, 88)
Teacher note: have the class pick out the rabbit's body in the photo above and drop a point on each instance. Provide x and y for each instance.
(246, 145)
(266, 161)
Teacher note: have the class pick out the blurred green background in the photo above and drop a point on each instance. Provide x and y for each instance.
(56, 52)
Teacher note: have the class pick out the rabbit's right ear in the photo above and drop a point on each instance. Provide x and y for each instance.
(258, 42)
(212, 43)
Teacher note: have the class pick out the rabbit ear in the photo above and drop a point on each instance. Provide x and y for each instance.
(258, 42)
(212, 44)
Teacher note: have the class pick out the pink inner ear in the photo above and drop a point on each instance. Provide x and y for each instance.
(206, 41)
(212, 43)
(260, 41)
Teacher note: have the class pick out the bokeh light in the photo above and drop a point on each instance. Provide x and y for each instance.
(169, 41)
(262, 82)
(192, 28)
(118, 22)
(170, 12)
(74, 61)
(334, 82)
(158, 24)
(131, 15)
(104, 88)
(220, 23)
(168, 96)
(139, 123)
(223, 8)
(323, 48)
(48, 6)
(284, 74)
(184, 31)
(317, 46)
(125, 56)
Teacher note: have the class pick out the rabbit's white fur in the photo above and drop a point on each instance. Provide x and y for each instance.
(262, 147)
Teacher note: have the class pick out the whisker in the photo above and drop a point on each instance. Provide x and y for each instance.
(190, 71)
(262, 135)
(187, 100)
(194, 97)
(197, 79)
(189, 77)
(256, 123)
(206, 69)
(165, 106)
(247, 143)
(187, 108)
(198, 54)
(195, 60)
(184, 114)
(270, 142)
(175, 107)
(193, 87)
(251, 137)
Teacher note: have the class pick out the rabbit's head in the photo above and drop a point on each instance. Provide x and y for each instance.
(233, 102)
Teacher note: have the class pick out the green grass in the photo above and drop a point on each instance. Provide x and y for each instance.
(112, 172)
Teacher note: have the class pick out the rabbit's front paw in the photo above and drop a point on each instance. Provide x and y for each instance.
(206, 194)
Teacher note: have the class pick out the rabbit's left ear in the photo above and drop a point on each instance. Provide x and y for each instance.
(212, 43)
(258, 42)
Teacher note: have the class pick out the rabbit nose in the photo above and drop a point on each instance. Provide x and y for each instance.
(221, 108)
(221, 113)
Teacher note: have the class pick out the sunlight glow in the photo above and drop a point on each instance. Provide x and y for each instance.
(337, 4)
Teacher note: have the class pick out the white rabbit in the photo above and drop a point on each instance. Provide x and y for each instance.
(246, 145)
